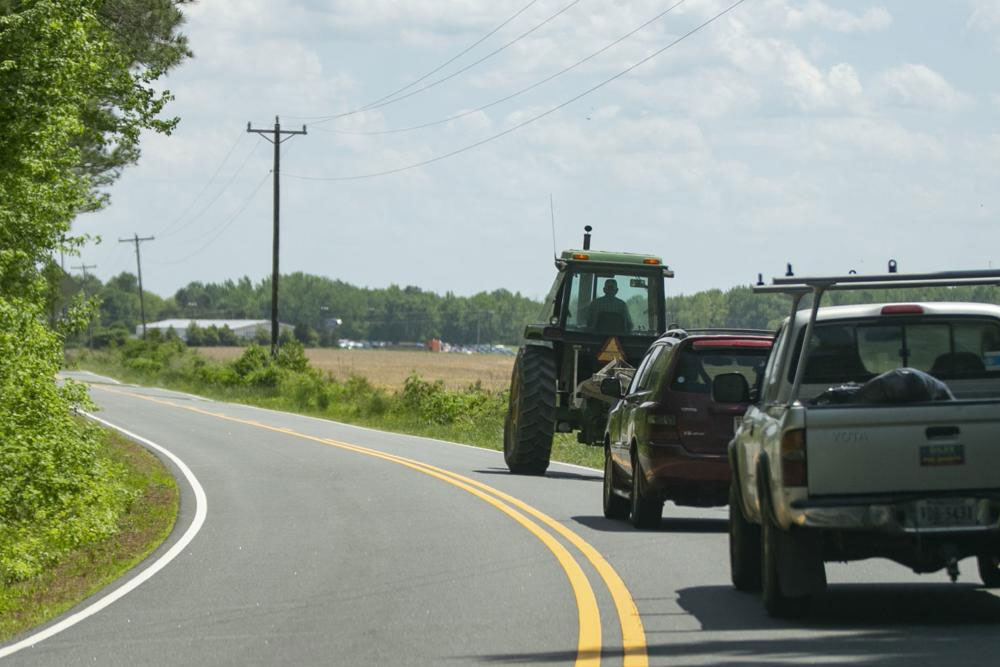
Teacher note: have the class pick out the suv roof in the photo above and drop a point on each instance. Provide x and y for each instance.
(694, 334)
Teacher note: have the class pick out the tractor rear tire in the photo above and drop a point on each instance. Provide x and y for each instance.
(531, 413)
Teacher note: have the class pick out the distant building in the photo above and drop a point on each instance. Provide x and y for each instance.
(244, 329)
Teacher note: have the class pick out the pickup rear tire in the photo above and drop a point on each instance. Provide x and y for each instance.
(776, 603)
(744, 546)
(615, 507)
(644, 512)
(531, 412)
(989, 570)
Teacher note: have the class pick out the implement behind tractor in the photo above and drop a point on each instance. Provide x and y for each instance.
(603, 312)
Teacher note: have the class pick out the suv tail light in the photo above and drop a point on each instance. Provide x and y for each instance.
(662, 427)
(793, 457)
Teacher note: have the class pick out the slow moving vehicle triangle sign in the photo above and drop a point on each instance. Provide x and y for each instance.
(611, 350)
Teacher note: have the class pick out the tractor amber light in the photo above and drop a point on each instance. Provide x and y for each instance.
(793, 457)
(903, 309)
(580, 255)
(650, 260)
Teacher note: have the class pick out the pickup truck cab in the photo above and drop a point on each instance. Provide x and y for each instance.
(819, 474)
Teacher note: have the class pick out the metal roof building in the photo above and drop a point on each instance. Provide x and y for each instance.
(244, 329)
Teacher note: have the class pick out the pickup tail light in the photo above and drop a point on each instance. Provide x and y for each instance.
(793, 457)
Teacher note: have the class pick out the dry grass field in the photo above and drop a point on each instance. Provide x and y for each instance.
(389, 368)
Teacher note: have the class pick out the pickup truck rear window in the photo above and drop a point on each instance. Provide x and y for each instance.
(696, 368)
(858, 351)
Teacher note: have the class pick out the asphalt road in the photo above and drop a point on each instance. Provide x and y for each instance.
(318, 543)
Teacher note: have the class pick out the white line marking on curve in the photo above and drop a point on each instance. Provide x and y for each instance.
(201, 511)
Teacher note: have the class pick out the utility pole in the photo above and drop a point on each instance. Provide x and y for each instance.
(90, 322)
(277, 140)
(138, 265)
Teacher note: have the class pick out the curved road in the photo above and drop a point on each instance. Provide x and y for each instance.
(330, 544)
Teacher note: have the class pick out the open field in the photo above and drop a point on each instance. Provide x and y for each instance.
(389, 368)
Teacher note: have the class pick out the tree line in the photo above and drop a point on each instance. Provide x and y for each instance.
(323, 310)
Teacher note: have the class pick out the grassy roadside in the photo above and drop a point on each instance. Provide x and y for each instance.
(144, 526)
(473, 416)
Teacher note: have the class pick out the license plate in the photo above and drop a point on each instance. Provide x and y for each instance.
(946, 512)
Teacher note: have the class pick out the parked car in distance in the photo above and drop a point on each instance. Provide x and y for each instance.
(667, 434)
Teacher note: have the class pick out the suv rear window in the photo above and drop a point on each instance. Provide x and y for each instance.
(696, 368)
(858, 351)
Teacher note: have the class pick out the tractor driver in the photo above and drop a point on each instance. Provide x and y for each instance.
(609, 313)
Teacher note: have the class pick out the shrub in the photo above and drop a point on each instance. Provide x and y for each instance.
(55, 494)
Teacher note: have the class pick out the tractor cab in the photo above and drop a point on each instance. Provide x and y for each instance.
(602, 307)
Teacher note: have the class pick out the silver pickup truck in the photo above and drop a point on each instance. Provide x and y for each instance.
(828, 466)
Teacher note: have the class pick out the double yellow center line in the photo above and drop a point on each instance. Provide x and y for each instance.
(589, 619)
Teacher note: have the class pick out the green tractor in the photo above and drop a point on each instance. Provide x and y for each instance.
(603, 307)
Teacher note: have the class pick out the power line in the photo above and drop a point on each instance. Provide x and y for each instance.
(436, 69)
(325, 119)
(517, 93)
(528, 121)
(204, 188)
(214, 199)
(218, 231)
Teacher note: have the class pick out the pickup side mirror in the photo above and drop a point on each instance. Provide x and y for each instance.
(611, 387)
(730, 388)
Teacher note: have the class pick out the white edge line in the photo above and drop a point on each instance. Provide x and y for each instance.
(366, 428)
(201, 511)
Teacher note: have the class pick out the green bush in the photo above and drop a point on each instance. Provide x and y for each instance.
(55, 494)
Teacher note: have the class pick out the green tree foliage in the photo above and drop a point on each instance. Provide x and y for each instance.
(76, 90)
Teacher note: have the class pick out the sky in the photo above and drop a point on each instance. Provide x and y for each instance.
(832, 135)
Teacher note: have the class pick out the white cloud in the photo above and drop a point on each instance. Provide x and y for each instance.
(919, 86)
(819, 13)
(985, 17)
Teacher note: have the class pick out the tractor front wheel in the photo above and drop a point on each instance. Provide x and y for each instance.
(530, 422)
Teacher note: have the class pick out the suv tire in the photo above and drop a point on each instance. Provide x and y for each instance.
(644, 512)
(530, 422)
(744, 545)
(615, 507)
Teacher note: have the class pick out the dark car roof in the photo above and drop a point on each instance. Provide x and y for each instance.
(721, 337)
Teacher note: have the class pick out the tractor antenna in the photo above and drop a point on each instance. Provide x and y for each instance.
(552, 214)
(586, 236)
(760, 279)
(788, 271)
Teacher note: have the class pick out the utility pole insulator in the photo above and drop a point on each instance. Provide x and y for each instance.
(277, 140)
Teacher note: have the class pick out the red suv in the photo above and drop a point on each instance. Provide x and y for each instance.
(666, 437)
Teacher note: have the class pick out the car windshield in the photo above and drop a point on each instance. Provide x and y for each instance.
(858, 351)
(615, 303)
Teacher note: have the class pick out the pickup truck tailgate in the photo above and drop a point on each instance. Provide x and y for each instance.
(947, 445)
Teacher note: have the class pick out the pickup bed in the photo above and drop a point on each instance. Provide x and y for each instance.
(827, 469)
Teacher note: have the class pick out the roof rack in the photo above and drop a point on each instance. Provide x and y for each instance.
(680, 333)
(798, 288)
(797, 285)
